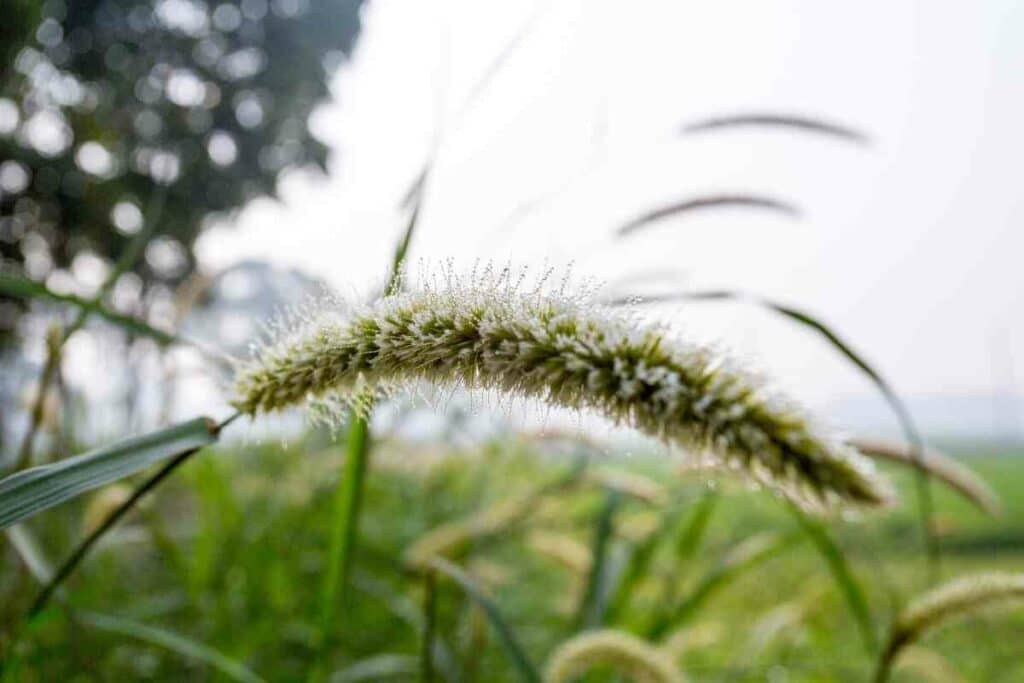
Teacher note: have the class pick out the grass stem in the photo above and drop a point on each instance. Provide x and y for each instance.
(345, 528)
(429, 625)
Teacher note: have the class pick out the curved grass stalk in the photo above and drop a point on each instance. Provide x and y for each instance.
(22, 287)
(775, 120)
(947, 602)
(569, 353)
(627, 654)
(715, 201)
(957, 476)
(573, 556)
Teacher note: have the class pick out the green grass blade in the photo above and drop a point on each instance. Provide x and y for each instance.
(594, 604)
(744, 556)
(693, 533)
(174, 642)
(429, 627)
(689, 539)
(350, 487)
(82, 549)
(403, 608)
(506, 636)
(32, 491)
(639, 564)
(378, 668)
(843, 576)
(21, 287)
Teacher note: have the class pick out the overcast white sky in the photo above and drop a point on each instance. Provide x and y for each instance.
(911, 248)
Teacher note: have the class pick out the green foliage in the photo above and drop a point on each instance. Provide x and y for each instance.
(843, 575)
(205, 101)
(261, 519)
(595, 597)
(171, 641)
(17, 286)
(506, 635)
(32, 491)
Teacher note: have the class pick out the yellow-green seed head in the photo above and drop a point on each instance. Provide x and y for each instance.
(957, 598)
(627, 654)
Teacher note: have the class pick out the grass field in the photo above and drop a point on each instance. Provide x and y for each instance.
(228, 560)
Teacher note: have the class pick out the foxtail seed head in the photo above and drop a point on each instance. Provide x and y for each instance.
(566, 352)
(957, 598)
(956, 475)
(624, 652)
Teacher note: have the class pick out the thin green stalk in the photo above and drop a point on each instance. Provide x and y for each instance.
(343, 531)
(843, 576)
(638, 567)
(594, 604)
(507, 638)
(689, 539)
(395, 280)
(350, 487)
(429, 624)
(406, 611)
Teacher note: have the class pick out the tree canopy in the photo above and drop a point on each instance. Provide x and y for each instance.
(112, 109)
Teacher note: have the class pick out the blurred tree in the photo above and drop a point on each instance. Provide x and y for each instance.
(110, 106)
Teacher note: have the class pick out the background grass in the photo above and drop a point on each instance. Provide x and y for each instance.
(231, 555)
